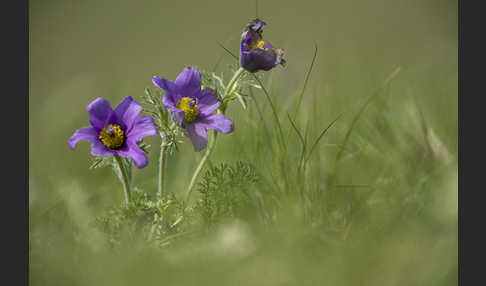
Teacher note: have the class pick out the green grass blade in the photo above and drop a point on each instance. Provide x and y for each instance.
(220, 58)
(355, 120)
(260, 113)
(309, 70)
(301, 138)
(362, 109)
(274, 112)
(301, 96)
(228, 51)
(320, 137)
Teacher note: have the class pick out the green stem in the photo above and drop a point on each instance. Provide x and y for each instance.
(125, 182)
(199, 168)
(162, 159)
(256, 9)
(229, 88)
(233, 80)
(227, 91)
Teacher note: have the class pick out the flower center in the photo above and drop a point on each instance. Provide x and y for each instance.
(189, 106)
(112, 136)
(256, 44)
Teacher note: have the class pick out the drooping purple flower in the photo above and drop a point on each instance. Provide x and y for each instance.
(256, 54)
(191, 106)
(116, 132)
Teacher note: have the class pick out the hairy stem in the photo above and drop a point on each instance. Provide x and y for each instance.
(199, 168)
(162, 159)
(233, 80)
(227, 92)
(229, 88)
(125, 181)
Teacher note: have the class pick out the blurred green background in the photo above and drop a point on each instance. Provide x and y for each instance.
(81, 50)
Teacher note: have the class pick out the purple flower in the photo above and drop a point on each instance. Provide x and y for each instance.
(116, 132)
(256, 54)
(191, 106)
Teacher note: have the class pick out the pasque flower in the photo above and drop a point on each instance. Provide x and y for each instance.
(116, 132)
(256, 54)
(191, 107)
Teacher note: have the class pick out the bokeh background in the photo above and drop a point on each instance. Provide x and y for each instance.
(81, 50)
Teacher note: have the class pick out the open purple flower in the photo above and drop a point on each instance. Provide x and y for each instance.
(191, 106)
(256, 54)
(116, 132)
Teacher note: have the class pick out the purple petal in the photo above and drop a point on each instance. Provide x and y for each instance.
(207, 102)
(256, 25)
(258, 59)
(167, 85)
(99, 149)
(189, 78)
(218, 122)
(126, 112)
(246, 40)
(252, 33)
(267, 45)
(98, 110)
(132, 151)
(85, 133)
(169, 102)
(197, 133)
(188, 83)
(113, 119)
(143, 126)
(178, 116)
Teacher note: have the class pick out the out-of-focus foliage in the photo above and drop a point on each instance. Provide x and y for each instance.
(153, 220)
(229, 192)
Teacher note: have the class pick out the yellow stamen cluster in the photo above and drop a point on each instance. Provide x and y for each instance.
(257, 44)
(112, 136)
(189, 106)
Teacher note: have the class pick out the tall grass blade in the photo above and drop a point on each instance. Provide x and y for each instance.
(301, 138)
(309, 70)
(220, 58)
(274, 112)
(299, 100)
(362, 109)
(228, 51)
(260, 114)
(355, 120)
(320, 137)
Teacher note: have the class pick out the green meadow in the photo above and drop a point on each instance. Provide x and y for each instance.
(356, 183)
